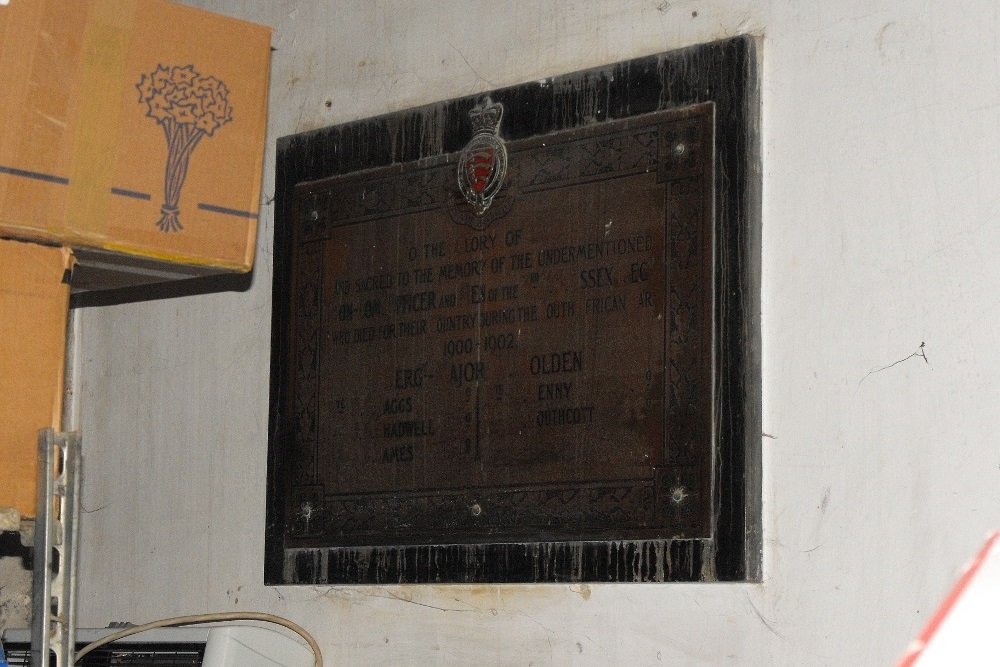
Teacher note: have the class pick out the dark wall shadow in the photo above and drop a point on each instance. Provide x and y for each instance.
(229, 282)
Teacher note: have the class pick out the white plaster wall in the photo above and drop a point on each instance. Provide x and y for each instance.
(881, 194)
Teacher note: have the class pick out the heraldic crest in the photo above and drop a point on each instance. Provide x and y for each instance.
(483, 162)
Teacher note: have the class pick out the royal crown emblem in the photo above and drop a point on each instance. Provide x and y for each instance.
(483, 162)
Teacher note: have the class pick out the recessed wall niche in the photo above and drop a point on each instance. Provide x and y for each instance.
(516, 335)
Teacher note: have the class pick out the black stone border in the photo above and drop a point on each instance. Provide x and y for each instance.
(724, 72)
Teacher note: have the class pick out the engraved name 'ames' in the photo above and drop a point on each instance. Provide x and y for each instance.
(398, 454)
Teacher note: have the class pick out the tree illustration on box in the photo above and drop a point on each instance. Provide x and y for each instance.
(188, 106)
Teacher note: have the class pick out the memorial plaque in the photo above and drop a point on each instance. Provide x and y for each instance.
(510, 343)
(541, 367)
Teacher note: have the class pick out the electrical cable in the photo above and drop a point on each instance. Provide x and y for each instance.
(207, 618)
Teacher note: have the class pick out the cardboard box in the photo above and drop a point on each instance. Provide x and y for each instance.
(34, 305)
(134, 127)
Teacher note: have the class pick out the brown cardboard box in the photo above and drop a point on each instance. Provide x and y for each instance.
(133, 126)
(34, 304)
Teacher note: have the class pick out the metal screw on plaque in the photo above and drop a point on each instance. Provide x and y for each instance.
(314, 216)
(476, 509)
(678, 494)
(679, 149)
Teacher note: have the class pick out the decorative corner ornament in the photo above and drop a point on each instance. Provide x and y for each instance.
(483, 162)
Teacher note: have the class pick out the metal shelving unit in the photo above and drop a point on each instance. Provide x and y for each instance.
(53, 622)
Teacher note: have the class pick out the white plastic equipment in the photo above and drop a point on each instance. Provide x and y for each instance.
(224, 646)
(252, 646)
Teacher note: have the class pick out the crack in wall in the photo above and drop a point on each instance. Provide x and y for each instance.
(919, 353)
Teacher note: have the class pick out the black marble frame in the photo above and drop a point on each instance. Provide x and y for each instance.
(725, 73)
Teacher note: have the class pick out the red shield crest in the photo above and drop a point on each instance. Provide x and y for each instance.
(483, 162)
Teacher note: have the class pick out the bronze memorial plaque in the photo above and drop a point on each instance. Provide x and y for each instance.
(538, 363)
(515, 335)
